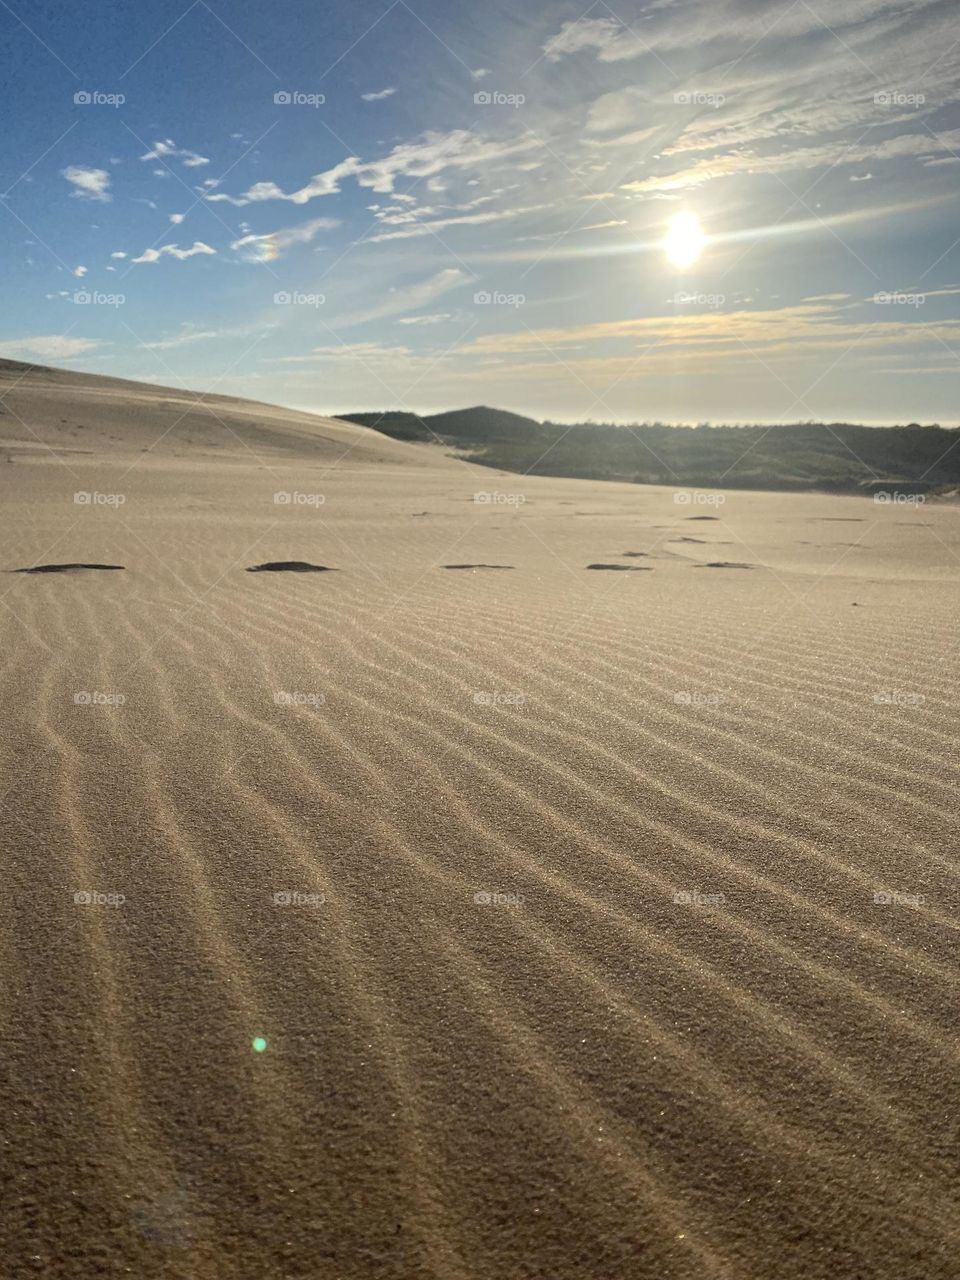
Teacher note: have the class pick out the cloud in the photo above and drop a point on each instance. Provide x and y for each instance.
(50, 347)
(403, 301)
(830, 153)
(79, 272)
(119, 254)
(378, 97)
(177, 218)
(154, 255)
(168, 148)
(480, 73)
(457, 220)
(434, 153)
(90, 184)
(438, 317)
(601, 34)
(269, 247)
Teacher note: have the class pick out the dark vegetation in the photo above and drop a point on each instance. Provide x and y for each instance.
(804, 455)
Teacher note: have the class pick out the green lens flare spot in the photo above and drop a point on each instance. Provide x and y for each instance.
(259, 1044)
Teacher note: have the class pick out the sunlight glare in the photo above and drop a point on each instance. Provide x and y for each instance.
(684, 240)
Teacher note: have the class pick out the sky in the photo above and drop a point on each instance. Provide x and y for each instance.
(427, 205)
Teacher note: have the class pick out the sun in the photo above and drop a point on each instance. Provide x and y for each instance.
(684, 240)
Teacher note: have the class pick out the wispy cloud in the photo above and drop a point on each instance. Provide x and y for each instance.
(169, 149)
(435, 152)
(48, 347)
(273, 244)
(172, 251)
(379, 96)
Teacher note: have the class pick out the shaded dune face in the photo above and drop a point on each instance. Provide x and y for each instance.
(65, 568)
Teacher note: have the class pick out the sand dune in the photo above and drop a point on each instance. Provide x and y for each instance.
(402, 922)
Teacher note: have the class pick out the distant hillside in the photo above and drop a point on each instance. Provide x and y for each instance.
(836, 456)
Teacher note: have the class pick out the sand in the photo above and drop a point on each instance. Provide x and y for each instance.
(466, 910)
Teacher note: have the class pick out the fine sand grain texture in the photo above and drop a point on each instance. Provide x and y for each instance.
(481, 925)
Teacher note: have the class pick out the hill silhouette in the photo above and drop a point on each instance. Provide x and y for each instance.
(839, 457)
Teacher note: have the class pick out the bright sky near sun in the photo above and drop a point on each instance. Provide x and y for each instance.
(729, 211)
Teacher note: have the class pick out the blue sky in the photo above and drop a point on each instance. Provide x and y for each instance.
(426, 205)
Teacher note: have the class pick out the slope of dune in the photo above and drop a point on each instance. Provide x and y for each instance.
(487, 924)
(44, 409)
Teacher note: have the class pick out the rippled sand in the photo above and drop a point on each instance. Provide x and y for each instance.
(521, 921)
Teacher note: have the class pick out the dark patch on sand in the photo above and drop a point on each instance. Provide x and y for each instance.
(703, 517)
(65, 568)
(477, 566)
(289, 566)
(726, 564)
(623, 568)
